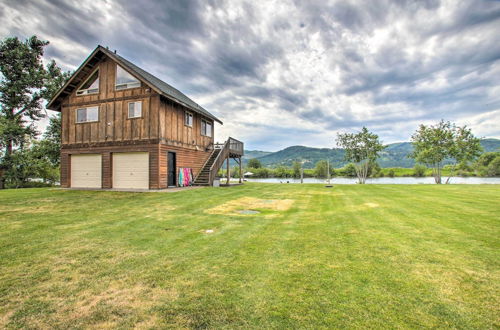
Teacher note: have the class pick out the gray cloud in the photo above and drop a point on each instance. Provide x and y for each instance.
(295, 72)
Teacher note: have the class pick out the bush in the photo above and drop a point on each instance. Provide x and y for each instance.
(348, 170)
(254, 163)
(321, 169)
(282, 172)
(419, 170)
(261, 172)
(494, 167)
(485, 159)
(391, 173)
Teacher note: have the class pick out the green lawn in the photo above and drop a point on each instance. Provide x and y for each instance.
(353, 256)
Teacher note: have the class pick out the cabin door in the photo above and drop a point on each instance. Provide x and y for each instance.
(172, 170)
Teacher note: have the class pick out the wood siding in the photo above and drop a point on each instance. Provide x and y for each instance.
(194, 159)
(174, 131)
(161, 118)
(161, 128)
(107, 162)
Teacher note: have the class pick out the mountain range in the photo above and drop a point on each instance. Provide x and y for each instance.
(394, 155)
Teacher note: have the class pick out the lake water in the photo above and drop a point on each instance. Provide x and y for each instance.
(398, 180)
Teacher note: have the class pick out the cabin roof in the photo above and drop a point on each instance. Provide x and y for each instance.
(155, 83)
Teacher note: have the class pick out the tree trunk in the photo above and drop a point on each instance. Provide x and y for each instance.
(2, 180)
(8, 152)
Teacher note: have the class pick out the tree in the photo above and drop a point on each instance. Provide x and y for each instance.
(494, 167)
(24, 84)
(432, 145)
(254, 163)
(321, 169)
(50, 145)
(419, 170)
(361, 148)
(296, 169)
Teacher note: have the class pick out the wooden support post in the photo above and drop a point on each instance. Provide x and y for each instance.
(240, 170)
(228, 173)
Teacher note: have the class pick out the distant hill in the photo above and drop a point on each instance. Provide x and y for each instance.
(394, 155)
(249, 154)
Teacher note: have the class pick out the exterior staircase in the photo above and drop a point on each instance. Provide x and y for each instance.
(232, 148)
(203, 178)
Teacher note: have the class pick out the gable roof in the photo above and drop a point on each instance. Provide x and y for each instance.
(155, 83)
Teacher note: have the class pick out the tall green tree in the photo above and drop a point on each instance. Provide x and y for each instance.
(321, 169)
(24, 84)
(433, 144)
(296, 169)
(254, 163)
(362, 149)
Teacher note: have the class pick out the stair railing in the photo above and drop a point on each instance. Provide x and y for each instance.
(219, 160)
(205, 164)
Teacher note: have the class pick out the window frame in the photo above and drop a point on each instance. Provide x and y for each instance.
(188, 113)
(128, 85)
(87, 121)
(128, 110)
(86, 90)
(204, 122)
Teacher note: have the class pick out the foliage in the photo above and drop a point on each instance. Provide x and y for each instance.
(486, 158)
(391, 173)
(434, 144)
(254, 163)
(30, 163)
(419, 170)
(261, 172)
(321, 169)
(283, 172)
(296, 169)
(360, 148)
(24, 84)
(494, 167)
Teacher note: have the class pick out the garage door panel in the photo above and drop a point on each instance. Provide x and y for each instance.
(131, 170)
(86, 171)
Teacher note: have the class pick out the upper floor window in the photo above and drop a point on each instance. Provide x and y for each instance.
(206, 128)
(85, 115)
(125, 80)
(188, 120)
(91, 85)
(135, 109)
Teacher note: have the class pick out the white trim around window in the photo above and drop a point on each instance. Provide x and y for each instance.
(206, 128)
(135, 109)
(87, 115)
(89, 89)
(188, 118)
(124, 80)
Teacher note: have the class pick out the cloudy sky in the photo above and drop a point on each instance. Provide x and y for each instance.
(281, 73)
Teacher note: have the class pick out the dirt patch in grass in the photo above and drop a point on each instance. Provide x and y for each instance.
(235, 206)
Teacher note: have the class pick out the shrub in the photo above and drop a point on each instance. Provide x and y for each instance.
(419, 170)
(349, 170)
(494, 167)
(391, 173)
(254, 163)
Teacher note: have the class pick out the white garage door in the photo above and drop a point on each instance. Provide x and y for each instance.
(131, 170)
(86, 171)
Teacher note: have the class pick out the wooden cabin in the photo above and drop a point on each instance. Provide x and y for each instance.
(124, 128)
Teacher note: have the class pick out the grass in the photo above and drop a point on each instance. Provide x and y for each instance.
(374, 256)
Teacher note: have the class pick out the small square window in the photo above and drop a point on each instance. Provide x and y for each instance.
(85, 115)
(188, 119)
(135, 109)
